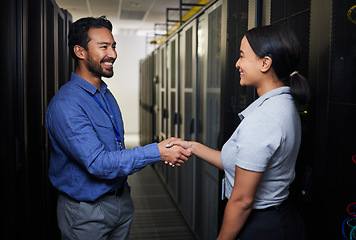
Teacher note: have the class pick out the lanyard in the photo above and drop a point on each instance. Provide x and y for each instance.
(116, 129)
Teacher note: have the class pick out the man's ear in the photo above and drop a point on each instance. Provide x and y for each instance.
(266, 64)
(79, 51)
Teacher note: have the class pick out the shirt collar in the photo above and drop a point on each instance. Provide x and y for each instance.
(81, 82)
(259, 101)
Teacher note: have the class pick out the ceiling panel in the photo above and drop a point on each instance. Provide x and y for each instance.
(109, 8)
(125, 14)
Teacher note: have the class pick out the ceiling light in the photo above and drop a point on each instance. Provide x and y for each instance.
(135, 4)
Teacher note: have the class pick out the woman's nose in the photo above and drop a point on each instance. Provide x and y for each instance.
(237, 64)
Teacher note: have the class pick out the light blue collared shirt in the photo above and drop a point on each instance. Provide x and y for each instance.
(267, 140)
(85, 157)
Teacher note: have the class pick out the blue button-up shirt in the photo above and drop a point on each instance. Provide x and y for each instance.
(86, 158)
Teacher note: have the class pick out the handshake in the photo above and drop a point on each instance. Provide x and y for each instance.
(174, 151)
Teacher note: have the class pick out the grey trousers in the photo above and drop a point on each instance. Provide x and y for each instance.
(109, 217)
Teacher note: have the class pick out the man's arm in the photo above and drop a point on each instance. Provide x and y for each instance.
(73, 136)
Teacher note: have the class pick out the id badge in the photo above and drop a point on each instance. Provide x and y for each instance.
(120, 144)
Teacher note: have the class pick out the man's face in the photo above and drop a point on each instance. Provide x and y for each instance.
(101, 52)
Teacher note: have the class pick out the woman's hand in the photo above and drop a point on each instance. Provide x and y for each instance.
(201, 151)
(179, 142)
(174, 155)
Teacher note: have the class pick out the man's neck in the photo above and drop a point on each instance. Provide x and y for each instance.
(89, 78)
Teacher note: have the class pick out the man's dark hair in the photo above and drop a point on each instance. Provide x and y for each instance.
(78, 32)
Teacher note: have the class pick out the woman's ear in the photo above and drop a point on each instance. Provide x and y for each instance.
(79, 52)
(266, 64)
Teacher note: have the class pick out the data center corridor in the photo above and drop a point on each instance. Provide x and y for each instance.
(156, 215)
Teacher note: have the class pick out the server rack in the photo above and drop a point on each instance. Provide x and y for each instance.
(156, 86)
(146, 95)
(33, 71)
(173, 116)
(234, 97)
(162, 104)
(185, 100)
(332, 71)
(163, 127)
(209, 80)
(172, 86)
(188, 105)
(12, 109)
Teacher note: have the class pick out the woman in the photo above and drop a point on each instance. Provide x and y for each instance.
(259, 158)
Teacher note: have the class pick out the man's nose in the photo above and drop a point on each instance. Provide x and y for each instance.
(112, 53)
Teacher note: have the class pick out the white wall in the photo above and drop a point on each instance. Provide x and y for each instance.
(125, 82)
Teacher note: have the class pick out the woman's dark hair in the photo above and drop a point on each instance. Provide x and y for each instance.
(78, 32)
(282, 46)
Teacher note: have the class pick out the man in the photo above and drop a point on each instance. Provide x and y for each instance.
(89, 164)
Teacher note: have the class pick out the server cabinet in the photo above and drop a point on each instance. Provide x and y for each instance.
(36, 184)
(69, 63)
(156, 87)
(332, 71)
(234, 97)
(50, 51)
(30, 77)
(187, 71)
(163, 93)
(173, 104)
(141, 107)
(173, 85)
(162, 104)
(12, 119)
(209, 81)
(146, 100)
(296, 15)
(61, 34)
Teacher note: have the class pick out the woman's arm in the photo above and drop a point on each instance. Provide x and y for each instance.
(239, 206)
(207, 154)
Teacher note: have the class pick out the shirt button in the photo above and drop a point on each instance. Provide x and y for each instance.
(111, 116)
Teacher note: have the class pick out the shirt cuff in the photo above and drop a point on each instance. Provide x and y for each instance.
(152, 154)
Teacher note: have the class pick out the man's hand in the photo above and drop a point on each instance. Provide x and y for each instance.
(175, 155)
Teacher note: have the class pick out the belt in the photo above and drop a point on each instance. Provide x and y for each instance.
(116, 192)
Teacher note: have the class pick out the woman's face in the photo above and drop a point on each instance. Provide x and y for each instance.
(249, 65)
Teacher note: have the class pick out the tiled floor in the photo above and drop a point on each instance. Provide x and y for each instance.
(156, 215)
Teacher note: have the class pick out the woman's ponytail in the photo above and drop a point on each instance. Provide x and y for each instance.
(299, 88)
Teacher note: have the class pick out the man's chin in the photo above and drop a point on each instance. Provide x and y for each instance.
(108, 74)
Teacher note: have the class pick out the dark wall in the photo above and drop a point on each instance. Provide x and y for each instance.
(332, 72)
(11, 136)
(34, 64)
